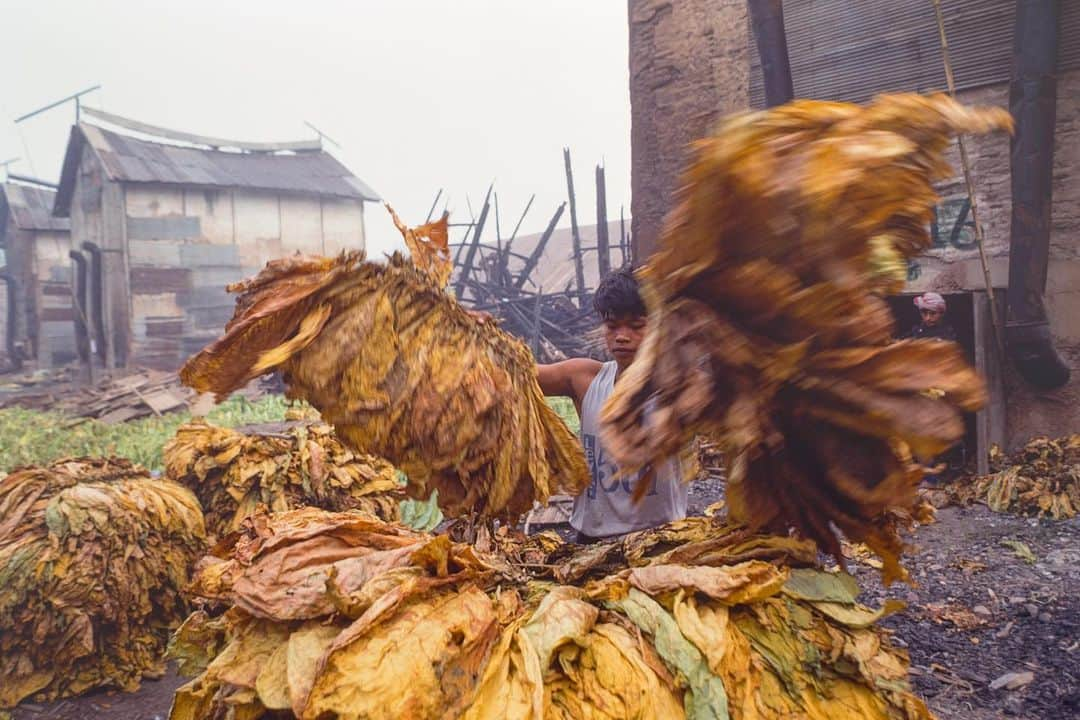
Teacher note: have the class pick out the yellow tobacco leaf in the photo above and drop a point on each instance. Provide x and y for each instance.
(414, 665)
(731, 584)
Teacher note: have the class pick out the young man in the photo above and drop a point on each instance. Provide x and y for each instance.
(932, 311)
(606, 508)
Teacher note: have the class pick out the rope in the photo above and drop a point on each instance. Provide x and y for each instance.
(970, 189)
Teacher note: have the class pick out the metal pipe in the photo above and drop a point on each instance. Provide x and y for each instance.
(11, 342)
(79, 292)
(97, 297)
(767, 20)
(1033, 103)
(50, 106)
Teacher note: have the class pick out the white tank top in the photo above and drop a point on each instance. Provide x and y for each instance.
(606, 507)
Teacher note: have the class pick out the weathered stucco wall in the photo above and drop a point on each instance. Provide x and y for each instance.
(688, 68)
(689, 65)
(1029, 411)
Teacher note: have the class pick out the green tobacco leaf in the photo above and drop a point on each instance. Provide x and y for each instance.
(706, 699)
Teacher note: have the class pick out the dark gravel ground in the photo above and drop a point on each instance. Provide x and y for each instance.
(978, 612)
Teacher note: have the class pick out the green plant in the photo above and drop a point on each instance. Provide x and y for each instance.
(565, 407)
(31, 437)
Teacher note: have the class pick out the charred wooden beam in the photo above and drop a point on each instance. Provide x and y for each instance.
(579, 266)
(603, 251)
(470, 256)
(504, 273)
(433, 204)
(538, 251)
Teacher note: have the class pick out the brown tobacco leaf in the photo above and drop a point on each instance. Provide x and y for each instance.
(403, 372)
(767, 330)
(93, 555)
(429, 246)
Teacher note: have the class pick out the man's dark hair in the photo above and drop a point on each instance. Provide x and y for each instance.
(618, 295)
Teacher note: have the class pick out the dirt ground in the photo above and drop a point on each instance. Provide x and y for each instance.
(981, 609)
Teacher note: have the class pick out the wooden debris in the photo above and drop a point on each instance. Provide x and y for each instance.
(113, 400)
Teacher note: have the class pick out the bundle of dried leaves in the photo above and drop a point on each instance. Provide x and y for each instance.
(402, 371)
(768, 329)
(1041, 479)
(233, 473)
(335, 615)
(93, 554)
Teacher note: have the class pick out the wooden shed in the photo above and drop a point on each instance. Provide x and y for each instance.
(35, 303)
(167, 219)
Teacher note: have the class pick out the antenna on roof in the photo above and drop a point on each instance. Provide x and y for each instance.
(31, 181)
(4, 165)
(322, 135)
(69, 98)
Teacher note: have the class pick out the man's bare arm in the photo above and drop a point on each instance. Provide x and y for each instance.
(569, 377)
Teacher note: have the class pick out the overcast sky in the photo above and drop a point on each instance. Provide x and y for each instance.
(421, 94)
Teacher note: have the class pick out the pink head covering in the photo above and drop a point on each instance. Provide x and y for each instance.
(930, 301)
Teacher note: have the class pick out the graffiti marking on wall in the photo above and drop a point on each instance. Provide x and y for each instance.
(952, 226)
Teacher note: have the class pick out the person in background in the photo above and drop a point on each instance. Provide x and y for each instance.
(933, 325)
(606, 509)
(932, 309)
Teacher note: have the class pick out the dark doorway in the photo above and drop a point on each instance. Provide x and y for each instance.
(961, 315)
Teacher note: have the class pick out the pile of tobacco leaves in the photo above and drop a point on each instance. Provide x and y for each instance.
(234, 472)
(93, 555)
(312, 614)
(1041, 479)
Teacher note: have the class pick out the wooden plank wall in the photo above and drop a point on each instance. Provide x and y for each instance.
(185, 245)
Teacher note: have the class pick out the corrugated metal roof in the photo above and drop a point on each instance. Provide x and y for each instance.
(30, 207)
(129, 159)
(840, 50)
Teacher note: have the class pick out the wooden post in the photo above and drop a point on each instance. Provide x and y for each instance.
(767, 20)
(579, 267)
(538, 251)
(603, 250)
(990, 420)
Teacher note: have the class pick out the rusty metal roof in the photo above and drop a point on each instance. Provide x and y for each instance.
(129, 159)
(30, 208)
